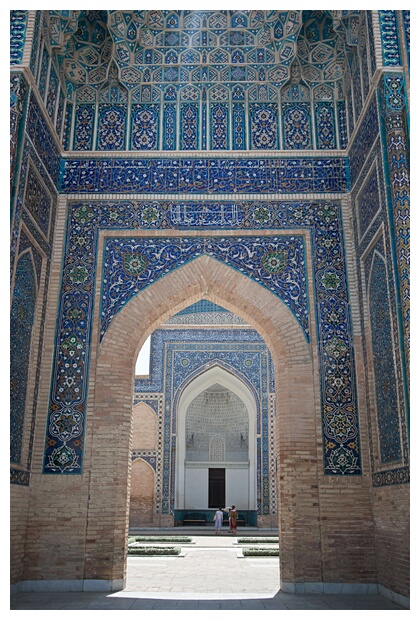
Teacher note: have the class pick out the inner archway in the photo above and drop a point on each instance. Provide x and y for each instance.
(216, 430)
(297, 414)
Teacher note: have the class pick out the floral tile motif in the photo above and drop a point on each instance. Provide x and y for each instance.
(63, 453)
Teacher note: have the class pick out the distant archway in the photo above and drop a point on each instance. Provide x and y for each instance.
(199, 385)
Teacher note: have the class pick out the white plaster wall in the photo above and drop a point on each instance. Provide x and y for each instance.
(237, 489)
(196, 488)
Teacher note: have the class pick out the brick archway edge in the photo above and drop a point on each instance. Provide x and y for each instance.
(108, 431)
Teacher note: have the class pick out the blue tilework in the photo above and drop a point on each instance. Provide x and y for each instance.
(18, 23)
(325, 125)
(60, 113)
(68, 396)
(383, 363)
(145, 127)
(389, 37)
(131, 265)
(371, 41)
(206, 175)
(111, 127)
(43, 140)
(367, 247)
(43, 72)
(33, 64)
(393, 104)
(406, 24)
(297, 132)
(18, 99)
(368, 132)
(38, 201)
(22, 318)
(368, 202)
(84, 123)
(53, 88)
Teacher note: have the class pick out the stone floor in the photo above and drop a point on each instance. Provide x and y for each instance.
(211, 574)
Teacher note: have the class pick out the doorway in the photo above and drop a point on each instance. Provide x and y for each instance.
(217, 487)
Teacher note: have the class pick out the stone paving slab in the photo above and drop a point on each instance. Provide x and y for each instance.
(208, 575)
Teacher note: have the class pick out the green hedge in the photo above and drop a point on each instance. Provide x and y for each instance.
(154, 550)
(158, 539)
(265, 552)
(258, 540)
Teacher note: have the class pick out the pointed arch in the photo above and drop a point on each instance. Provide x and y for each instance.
(112, 374)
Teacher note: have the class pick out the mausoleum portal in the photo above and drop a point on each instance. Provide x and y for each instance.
(235, 185)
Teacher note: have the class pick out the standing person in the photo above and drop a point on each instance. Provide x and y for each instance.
(218, 520)
(228, 511)
(233, 519)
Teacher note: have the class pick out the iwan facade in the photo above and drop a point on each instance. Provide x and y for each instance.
(256, 161)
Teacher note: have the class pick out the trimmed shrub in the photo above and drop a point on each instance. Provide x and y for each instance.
(254, 541)
(154, 550)
(159, 539)
(252, 551)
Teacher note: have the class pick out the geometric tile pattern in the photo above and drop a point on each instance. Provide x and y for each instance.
(221, 68)
(18, 22)
(63, 453)
(389, 35)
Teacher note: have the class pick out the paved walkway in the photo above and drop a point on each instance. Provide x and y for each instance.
(211, 573)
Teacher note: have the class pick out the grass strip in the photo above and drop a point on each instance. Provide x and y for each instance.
(158, 539)
(253, 541)
(252, 551)
(154, 550)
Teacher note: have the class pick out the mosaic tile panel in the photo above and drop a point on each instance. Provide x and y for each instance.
(325, 125)
(393, 102)
(323, 220)
(18, 98)
(38, 201)
(406, 25)
(22, 318)
(43, 140)
(33, 64)
(383, 363)
(389, 37)
(67, 125)
(83, 135)
(18, 24)
(52, 95)
(297, 132)
(368, 202)
(133, 264)
(60, 113)
(371, 38)
(207, 175)
(367, 249)
(145, 127)
(363, 141)
(342, 124)
(111, 127)
(43, 72)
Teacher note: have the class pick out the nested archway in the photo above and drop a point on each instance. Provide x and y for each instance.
(297, 415)
(189, 464)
